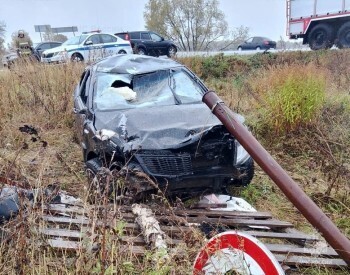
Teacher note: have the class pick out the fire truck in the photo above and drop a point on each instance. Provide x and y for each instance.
(320, 23)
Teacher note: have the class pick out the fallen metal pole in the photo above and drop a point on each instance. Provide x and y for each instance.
(291, 189)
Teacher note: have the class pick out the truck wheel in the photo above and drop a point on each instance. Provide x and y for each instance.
(321, 37)
(344, 36)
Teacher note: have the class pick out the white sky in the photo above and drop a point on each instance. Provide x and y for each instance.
(263, 17)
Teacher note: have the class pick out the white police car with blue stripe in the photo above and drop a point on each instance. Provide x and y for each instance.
(87, 47)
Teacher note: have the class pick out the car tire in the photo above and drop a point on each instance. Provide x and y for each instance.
(321, 37)
(96, 185)
(343, 36)
(77, 57)
(247, 174)
(239, 48)
(171, 51)
(141, 51)
(258, 48)
(122, 52)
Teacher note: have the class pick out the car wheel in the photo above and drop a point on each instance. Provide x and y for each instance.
(247, 174)
(321, 37)
(239, 48)
(344, 36)
(171, 51)
(97, 182)
(122, 52)
(258, 48)
(76, 57)
(141, 51)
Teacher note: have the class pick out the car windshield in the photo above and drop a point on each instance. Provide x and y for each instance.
(160, 88)
(76, 40)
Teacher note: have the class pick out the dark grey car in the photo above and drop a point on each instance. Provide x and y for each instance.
(145, 114)
(257, 43)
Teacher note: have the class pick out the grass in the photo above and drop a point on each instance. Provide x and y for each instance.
(316, 153)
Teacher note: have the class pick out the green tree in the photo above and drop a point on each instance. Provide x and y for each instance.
(2, 36)
(193, 24)
(16, 40)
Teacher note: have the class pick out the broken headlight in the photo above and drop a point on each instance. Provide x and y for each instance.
(241, 155)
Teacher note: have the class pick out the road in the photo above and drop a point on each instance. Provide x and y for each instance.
(228, 53)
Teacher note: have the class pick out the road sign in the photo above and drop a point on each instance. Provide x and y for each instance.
(65, 29)
(236, 251)
(42, 28)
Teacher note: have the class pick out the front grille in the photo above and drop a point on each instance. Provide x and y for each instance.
(49, 55)
(165, 164)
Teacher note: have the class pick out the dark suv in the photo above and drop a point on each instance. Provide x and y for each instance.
(149, 43)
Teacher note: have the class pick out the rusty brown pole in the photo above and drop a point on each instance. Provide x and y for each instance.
(291, 189)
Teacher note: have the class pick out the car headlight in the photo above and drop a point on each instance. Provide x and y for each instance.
(241, 155)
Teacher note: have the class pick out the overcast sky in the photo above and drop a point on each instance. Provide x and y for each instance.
(263, 17)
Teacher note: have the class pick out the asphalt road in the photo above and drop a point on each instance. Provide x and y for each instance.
(228, 53)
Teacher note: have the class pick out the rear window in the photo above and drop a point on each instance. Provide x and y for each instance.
(134, 35)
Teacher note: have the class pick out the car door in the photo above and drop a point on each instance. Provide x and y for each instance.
(93, 48)
(158, 44)
(247, 45)
(80, 105)
(147, 41)
(256, 43)
(109, 45)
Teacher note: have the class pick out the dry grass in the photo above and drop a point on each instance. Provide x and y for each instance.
(317, 155)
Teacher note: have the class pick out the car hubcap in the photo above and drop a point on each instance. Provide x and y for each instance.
(172, 51)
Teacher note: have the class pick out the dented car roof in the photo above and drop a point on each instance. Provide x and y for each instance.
(134, 64)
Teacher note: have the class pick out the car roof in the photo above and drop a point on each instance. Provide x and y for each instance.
(135, 64)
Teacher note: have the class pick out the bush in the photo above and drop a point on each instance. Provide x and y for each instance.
(293, 97)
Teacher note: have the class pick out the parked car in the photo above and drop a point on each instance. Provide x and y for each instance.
(257, 43)
(149, 43)
(146, 114)
(87, 47)
(39, 48)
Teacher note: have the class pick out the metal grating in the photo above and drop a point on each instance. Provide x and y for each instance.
(166, 165)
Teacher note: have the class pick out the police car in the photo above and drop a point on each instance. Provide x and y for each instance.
(87, 47)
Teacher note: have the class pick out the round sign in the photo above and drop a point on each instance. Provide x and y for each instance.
(236, 251)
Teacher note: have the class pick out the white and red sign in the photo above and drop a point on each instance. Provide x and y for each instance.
(236, 251)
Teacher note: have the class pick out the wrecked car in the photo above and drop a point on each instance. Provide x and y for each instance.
(146, 114)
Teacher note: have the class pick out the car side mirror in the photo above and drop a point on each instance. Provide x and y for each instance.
(89, 42)
(82, 111)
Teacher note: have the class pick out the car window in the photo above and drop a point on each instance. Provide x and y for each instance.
(186, 90)
(156, 37)
(54, 45)
(257, 40)
(75, 40)
(134, 35)
(44, 46)
(250, 40)
(95, 39)
(145, 36)
(106, 38)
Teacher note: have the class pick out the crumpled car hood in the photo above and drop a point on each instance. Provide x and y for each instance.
(157, 128)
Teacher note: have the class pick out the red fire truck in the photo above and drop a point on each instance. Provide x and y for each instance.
(321, 23)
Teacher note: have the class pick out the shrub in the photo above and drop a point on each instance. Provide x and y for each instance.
(293, 97)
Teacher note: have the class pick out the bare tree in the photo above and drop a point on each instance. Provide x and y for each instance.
(49, 36)
(16, 39)
(237, 36)
(193, 24)
(2, 36)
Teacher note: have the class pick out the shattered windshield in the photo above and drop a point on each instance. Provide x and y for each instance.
(160, 88)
